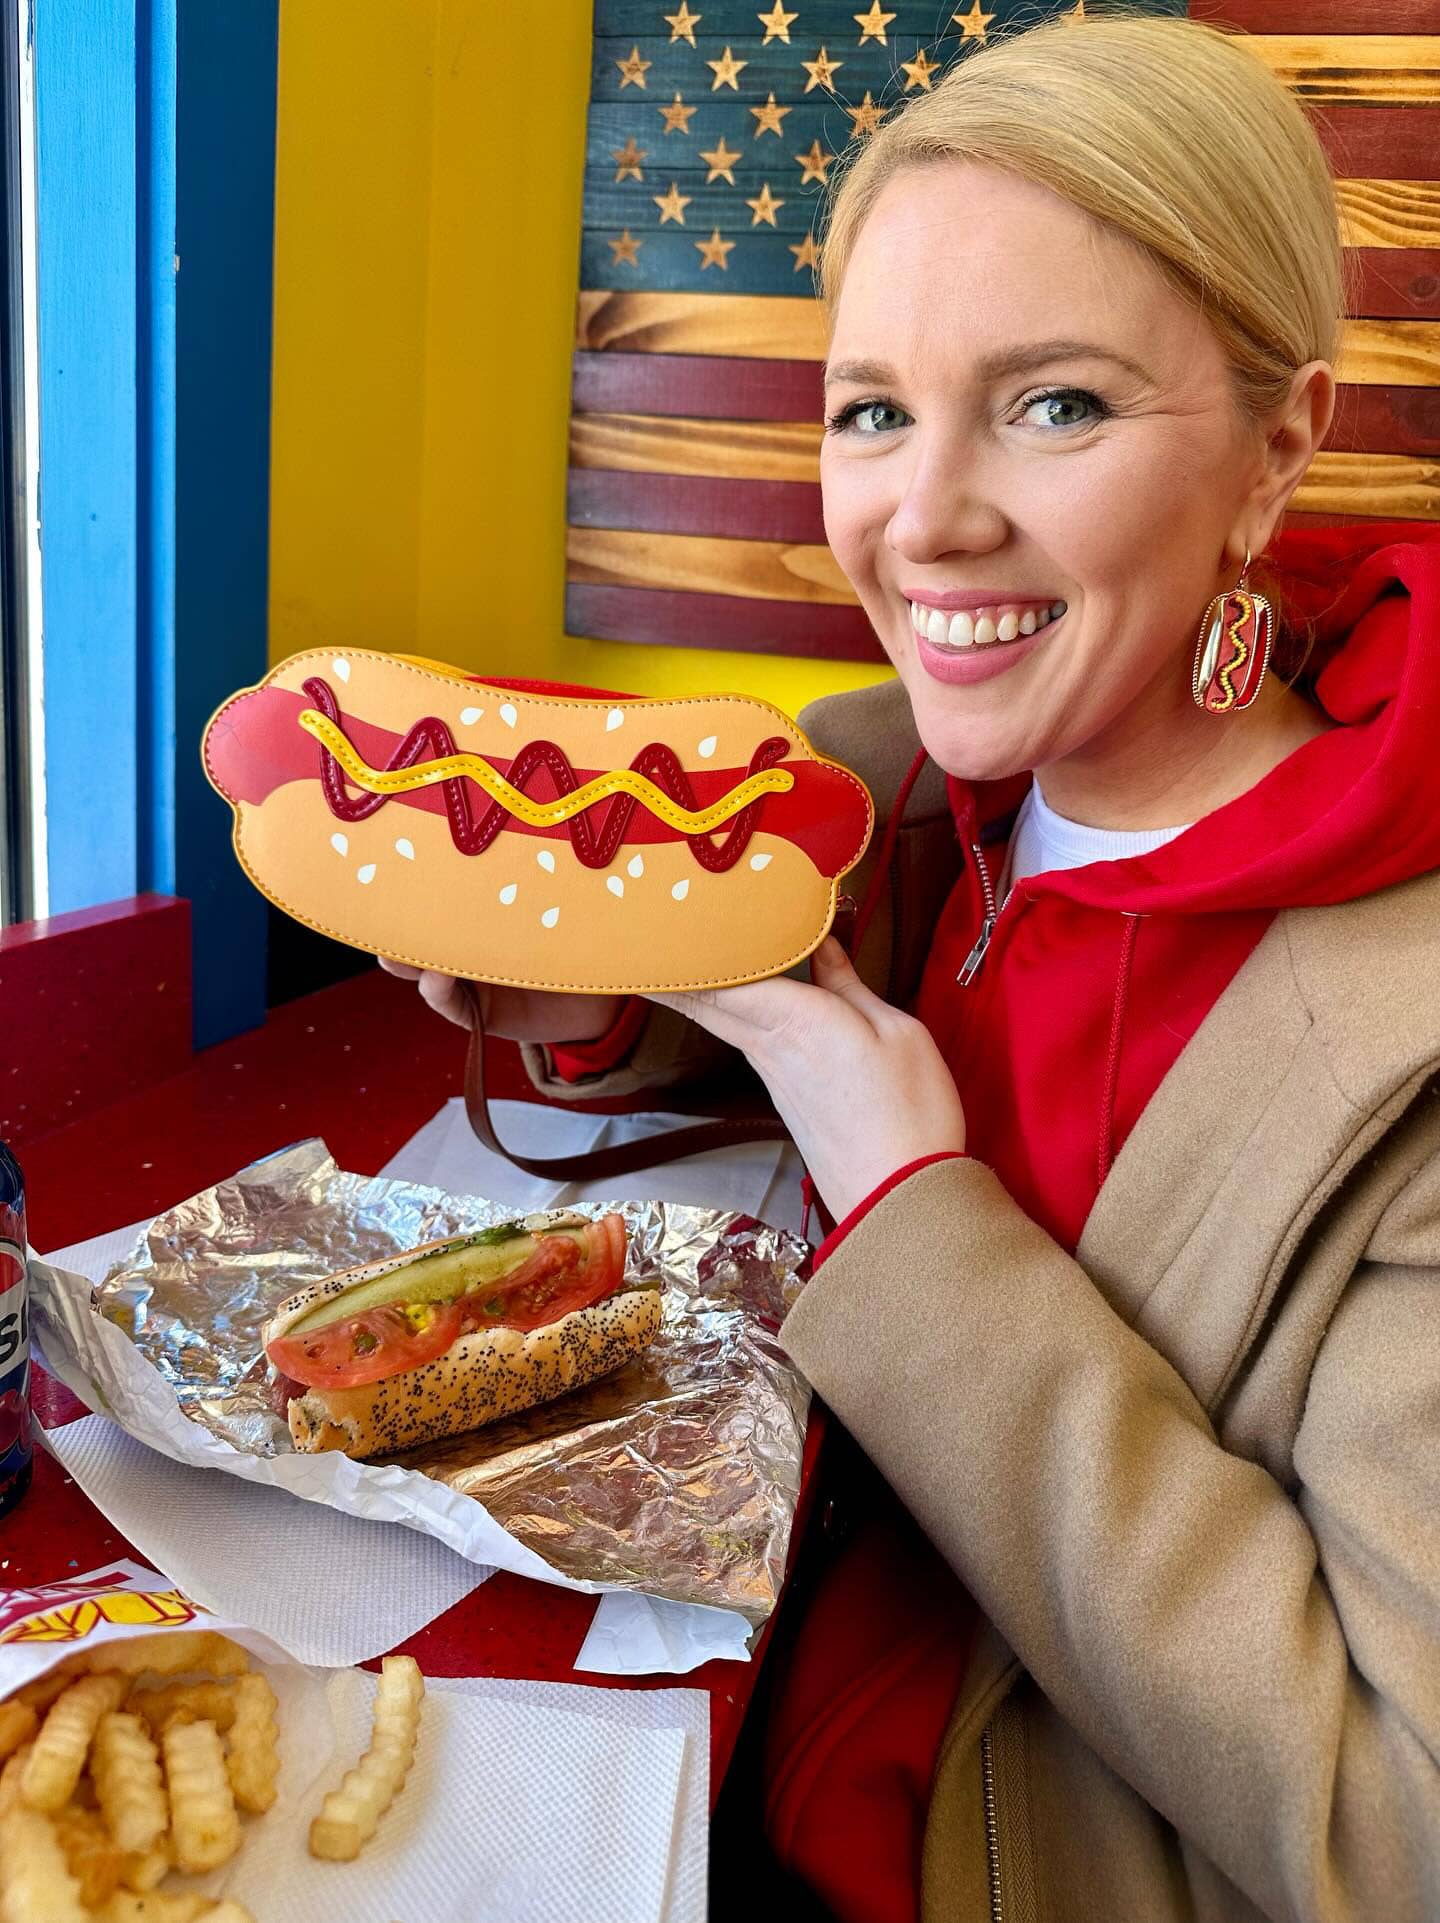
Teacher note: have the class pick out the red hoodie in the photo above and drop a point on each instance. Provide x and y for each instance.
(1092, 982)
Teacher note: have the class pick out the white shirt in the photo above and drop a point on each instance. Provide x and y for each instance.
(1042, 841)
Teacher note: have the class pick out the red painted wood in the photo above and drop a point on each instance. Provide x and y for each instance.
(691, 504)
(664, 618)
(1320, 16)
(362, 1064)
(706, 387)
(1379, 143)
(1386, 420)
(95, 1004)
(1397, 283)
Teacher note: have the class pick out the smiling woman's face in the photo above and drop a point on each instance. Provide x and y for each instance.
(1023, 416)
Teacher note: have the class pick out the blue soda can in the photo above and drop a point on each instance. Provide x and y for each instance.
(15, 1451)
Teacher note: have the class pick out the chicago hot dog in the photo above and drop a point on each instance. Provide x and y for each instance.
(455, 1334)
(540, 840)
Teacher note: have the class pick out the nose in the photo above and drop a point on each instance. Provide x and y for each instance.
(943, 508)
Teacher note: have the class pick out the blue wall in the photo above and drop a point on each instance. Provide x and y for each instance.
(155, 143)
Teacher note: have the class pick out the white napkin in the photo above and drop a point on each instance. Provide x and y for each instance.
(329, 1588)
(521, 1807)
(755, 1178)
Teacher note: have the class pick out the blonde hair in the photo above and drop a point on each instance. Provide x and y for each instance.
(1174, 135)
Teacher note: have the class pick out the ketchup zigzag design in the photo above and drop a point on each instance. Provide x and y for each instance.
(431, 740)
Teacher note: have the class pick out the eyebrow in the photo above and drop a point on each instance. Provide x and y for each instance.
(1011, 360)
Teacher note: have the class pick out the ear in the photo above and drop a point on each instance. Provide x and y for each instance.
(1293, 432)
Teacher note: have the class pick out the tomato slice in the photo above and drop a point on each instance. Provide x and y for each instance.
(565, 1272)
(368, 1347)
(572, 1269)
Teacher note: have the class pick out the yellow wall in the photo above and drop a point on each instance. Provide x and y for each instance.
(428, 183)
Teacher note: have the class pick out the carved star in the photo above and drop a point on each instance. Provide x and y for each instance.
(682, 25)
(920, 70)
(672, 205)
(763, 206)
(626, 249)
(865, 118)
(721, 161)
(713, 252)
(627, 160)
(822, 69)
(972, 25)
(816, 164)
(872, 25)
(776, 24)
(677, 116)
(633, 70)
(806, 253)
(725, 70)
(768, 117)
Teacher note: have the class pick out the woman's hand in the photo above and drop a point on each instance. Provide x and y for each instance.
(520, 1014)
(861, 1087)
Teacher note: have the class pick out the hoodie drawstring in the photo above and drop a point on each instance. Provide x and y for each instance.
(886, 854)
(1106, 1153)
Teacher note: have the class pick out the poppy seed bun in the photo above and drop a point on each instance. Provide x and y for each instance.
(492, 1373)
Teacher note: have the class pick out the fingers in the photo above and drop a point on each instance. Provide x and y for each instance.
(447, 996)
(832, 970)
(403, 969)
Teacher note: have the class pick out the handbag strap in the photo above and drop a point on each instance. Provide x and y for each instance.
(621, 1158)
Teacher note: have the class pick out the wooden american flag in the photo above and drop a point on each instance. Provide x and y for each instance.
(694, 501)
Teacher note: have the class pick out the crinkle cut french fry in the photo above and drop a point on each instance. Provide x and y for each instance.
(351, 1814)
(204, 1825)
(167, 1703)
(62, 1744)
(96, 1860)
(35, 1879)
(157, 1906)
(10, 1774)
(253, 1760)
(178, 1652)
(18, 1723)
(126, 1767)
(43, 1691)
(144, 1872)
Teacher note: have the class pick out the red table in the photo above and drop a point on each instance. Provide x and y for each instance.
(364, 1065)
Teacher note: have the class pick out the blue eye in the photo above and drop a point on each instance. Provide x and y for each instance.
(1063, 407)
(867, 418)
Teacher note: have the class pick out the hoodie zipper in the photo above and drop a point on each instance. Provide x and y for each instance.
(977, 954)
(992, 1827)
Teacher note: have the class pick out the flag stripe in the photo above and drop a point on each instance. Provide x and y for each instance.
(1389, 213)
(1319, 16)
(1386, 420)
(1381, 143)
(747, 326)
(696, 504)
(705, 386)
(1399, 283)
(720, 621)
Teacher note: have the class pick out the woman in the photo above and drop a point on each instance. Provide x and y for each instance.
(1135, 1295)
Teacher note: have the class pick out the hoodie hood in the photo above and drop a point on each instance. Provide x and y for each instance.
(1357, 809)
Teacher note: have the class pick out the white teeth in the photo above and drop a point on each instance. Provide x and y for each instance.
(984, 631)
(962, 631)
(1027, 621)
(937, 628)
(1008, 627)
(1057, 608)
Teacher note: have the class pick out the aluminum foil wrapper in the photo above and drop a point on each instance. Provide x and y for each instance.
(677, 1476)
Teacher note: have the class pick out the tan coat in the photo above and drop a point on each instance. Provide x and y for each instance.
(1192, 1474)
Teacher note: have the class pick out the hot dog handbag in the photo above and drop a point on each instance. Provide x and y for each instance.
(538, 839)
